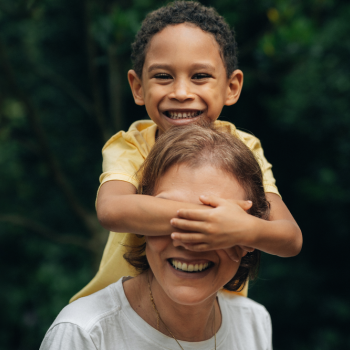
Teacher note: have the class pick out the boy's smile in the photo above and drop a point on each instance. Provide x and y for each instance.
(184, 78)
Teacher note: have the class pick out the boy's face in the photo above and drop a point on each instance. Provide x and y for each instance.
(184, 78)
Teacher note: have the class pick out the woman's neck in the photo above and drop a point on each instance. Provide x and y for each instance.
(191, 323)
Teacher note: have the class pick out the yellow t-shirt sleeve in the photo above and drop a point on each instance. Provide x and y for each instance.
(124, 153)
(121, 160)
(254, 144)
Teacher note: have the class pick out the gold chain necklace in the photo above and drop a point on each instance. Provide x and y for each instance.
(159, 318)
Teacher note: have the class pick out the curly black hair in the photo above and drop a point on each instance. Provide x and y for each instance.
(193, 12)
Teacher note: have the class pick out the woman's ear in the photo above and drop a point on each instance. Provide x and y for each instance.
(136, 87)
(234, 88)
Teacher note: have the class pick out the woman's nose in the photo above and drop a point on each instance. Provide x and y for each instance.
(178, 244)
(181, 91)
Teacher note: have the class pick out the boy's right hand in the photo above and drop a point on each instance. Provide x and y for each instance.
(220, 228)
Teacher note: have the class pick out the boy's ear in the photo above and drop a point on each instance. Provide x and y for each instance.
(136, 87)
(234, 88)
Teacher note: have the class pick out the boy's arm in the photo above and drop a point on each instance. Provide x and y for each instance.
(229, 225)
(120, 209)
(280, 235)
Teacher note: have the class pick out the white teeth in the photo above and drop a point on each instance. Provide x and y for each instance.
(183, 115)
(189, 267)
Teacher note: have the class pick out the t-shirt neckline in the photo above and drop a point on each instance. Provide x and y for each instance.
(150, 334)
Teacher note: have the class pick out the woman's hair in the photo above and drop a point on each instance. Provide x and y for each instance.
(195, 145)
(178, 12)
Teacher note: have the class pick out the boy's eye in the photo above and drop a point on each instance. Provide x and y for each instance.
(163, 76)
(199, 76)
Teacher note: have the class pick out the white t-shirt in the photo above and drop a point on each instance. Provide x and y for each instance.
(105, 321)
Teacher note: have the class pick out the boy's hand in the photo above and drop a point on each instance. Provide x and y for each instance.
(223, 227)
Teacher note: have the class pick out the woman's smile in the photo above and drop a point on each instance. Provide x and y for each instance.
(190, 266)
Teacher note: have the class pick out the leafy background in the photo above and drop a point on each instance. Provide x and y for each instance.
(63, 92)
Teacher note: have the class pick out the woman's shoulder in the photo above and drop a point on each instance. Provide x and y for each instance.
(244, 304)
(87, 311)
(247, 320)
(78, 323)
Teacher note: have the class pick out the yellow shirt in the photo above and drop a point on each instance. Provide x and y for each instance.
(123, 155)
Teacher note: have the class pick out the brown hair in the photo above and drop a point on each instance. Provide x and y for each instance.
(195, 145)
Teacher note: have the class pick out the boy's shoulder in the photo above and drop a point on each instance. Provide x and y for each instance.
(146, 126)
(141, 125)
(250, 140)
(141, 134)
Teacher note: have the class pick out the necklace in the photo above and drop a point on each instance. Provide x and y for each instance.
(159, 318)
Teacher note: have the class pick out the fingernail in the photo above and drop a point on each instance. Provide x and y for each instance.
(172, 236)
(249, 201)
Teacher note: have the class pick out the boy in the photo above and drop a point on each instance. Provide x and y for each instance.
(185, 70)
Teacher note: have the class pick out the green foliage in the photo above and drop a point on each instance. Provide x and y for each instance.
(63, 92)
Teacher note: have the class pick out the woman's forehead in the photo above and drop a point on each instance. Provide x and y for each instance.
(185, 184)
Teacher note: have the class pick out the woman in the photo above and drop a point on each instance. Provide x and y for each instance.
(176, 301)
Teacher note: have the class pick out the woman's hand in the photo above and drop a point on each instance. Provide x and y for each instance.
(226, 226)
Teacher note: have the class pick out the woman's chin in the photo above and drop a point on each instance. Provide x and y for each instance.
(189, 295)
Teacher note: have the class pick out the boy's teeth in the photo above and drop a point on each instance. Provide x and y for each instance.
(183, 115)
(189, 267)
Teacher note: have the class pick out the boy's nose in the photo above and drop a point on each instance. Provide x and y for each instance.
(181, 91)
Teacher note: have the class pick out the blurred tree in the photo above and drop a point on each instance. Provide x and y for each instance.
(63, 93)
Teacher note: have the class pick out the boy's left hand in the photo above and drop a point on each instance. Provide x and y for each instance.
(223, 227)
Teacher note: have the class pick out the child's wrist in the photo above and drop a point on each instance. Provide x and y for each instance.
(253, 232)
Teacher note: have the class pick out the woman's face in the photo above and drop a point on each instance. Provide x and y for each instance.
(184, 184)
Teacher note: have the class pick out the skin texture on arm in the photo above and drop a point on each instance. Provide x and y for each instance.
(120, 209)
(282, 235)
(229, 224)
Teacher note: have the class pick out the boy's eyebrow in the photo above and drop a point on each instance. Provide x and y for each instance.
(167, 66)
(157, 66)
